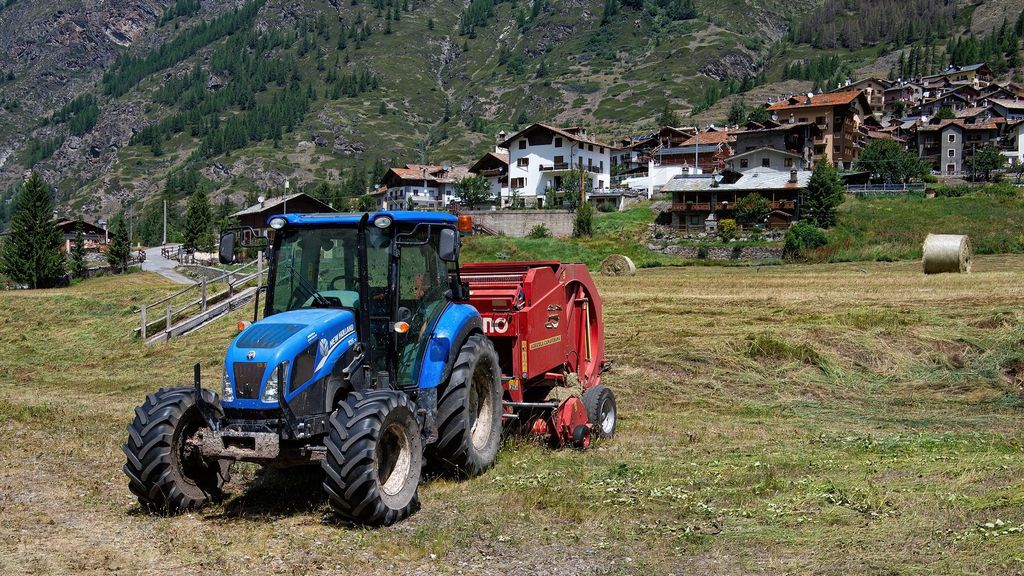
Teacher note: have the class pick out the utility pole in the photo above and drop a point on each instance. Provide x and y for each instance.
(165, 224)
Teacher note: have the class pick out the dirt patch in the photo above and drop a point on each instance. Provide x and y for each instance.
(1013, 375)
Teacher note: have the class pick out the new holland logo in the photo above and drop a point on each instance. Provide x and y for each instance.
(251, 354)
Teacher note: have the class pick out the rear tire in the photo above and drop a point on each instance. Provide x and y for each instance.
(469, 412)
(374, 458)
(166, 474)
(600, 404)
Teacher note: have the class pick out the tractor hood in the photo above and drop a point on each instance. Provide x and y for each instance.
(308, 341)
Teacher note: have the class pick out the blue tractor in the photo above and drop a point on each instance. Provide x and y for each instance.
(365, 318)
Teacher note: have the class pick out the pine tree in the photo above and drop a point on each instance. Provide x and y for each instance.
(198, 234)
(120, 247)
(823, 196)
(30, 254)
(76, 260)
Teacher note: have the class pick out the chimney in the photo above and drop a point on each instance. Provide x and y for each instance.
(792, 176)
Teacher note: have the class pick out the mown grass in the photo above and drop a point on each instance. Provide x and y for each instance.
(825, 419)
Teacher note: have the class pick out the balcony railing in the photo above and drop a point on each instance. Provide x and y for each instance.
(556, 166)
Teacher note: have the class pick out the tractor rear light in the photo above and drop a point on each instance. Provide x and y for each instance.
(401, 327)
(242, 325)
(227, 393)
(465, 224)
(273, 386)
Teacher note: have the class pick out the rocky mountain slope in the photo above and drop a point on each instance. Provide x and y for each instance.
(120, 102)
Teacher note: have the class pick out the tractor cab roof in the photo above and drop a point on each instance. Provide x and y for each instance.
(352, 218)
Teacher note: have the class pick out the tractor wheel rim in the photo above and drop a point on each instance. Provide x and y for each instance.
(480, 410)
(607, 416)
(394, 459)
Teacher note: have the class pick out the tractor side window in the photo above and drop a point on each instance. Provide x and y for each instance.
(423, 280)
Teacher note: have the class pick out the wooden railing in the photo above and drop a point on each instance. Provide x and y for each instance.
(196, 298)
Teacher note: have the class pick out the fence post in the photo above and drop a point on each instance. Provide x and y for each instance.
(142, 332)
(167, 322)
(202, 287)
(259, 270)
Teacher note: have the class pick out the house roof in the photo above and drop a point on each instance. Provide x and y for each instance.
(709, 137)
(1007, 103)
(574, 134)
(957, 69)
(777, 128)
(701, 148)
(826, 99)
(761, 150)
(491, 158)
(752, 180)
(960, 123)
(69, 226)
(879, 135)
(272, 203)
(427, 172)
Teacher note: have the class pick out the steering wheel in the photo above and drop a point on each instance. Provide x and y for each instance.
(331, 285)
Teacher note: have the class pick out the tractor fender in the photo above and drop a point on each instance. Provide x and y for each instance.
(457, 322)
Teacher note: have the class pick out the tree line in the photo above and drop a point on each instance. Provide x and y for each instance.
(827, 71)
(853, 24)
(1000, 48)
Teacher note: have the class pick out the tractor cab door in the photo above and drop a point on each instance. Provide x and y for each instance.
(422, 283)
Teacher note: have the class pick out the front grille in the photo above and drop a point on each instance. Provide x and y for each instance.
(248, 378)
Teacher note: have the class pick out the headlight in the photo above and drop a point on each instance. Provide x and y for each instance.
(271, 390)
(277, 223)
(227, 393)
(382, 222)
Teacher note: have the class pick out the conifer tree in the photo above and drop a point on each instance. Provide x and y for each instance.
(824, 195)
(120, 247)
(30, 254)
(76, 260)
(198, 233)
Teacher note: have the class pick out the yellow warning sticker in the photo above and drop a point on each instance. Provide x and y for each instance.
(545, 342)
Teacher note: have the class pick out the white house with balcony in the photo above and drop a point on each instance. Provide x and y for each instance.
(540, 156)
(418, 186)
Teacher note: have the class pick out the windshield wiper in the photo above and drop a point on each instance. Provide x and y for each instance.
(317, 296)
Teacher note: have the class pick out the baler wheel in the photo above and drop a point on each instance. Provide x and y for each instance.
(600, 404)
(167, 474)
(581, 437)
(469, 412)
(374, 457)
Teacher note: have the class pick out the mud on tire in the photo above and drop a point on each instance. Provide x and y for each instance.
(469, 412)
(374, 458)
(166, 474)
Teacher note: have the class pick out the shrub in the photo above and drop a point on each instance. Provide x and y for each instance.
(583, 226)
(539, 231)
(802, 236)
(952, 191)
(727, 229)
(605, 208)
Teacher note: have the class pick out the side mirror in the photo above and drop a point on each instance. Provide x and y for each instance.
(226, 253)
(448, 247)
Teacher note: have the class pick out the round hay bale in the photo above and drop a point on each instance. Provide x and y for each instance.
(618, 265)
(947, 253)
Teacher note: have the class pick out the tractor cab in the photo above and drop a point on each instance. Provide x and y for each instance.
(363, 288)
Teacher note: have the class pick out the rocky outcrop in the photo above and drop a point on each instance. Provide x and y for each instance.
(734, 65)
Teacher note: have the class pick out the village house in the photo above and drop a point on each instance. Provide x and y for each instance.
(976, 75)
(1014, 150)
(95, 237)
(839, 116)
(706, 150)
(795, 139)
(765, 158)
(874, 89)
(950, 100)
(1011, 109)
(907, 93)
(947, 144)
(540, 156)
(420, 186)
(256, 216)
(494, 167)
(699, 202)
(637, 152)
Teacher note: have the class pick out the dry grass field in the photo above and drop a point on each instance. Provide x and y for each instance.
(819, 419)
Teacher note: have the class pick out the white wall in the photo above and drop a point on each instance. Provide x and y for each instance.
(537, 182)
(422, 196)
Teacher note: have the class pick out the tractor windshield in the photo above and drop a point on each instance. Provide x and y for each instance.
(320, 266)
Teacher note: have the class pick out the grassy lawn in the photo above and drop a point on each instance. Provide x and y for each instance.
(826, 419)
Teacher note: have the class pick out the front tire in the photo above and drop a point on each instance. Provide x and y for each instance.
(469, 412)
(167, 474)
(374, 458)
(600, 404)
